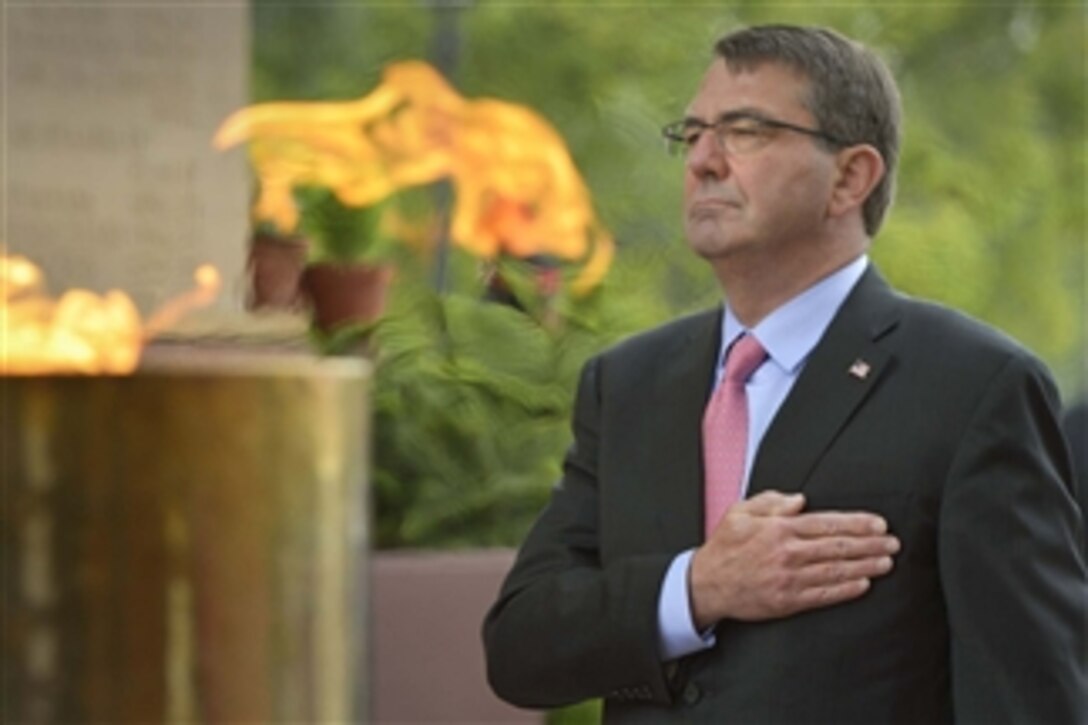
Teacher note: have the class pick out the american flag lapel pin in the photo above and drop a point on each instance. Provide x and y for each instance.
(860, 369)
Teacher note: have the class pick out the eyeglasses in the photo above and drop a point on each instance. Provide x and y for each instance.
(736, 133)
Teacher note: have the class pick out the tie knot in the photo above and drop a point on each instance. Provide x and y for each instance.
(745, 356)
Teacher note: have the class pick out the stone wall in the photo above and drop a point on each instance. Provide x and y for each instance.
(110, 180)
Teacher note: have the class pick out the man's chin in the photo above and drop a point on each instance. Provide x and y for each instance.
(713, 247)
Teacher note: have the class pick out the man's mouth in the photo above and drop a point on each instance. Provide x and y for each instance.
(711, 205)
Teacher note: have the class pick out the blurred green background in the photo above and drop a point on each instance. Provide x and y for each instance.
(473, 397)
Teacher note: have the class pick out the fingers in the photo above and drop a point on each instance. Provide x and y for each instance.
(838, 523)
(820, 524)
(826, 596)
(827, 584)
(835, 556)
(840, 548)
(789, 590)
(829, 570)
(772, 503)
(838, 572)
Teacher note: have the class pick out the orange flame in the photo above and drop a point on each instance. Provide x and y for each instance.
(207, 287)
(518, 191)
(81, 332)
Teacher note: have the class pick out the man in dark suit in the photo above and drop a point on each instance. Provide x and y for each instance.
(900, 543)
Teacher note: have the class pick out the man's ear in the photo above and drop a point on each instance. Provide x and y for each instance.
(859, 169)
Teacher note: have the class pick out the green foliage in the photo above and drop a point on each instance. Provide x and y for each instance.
(472, 405)
(585, 713)
(341, 233)
(322, 51)
(990, 214)
(351, 338)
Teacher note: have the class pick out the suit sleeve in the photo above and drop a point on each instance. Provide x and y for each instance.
(567, 627)
(1010, 553)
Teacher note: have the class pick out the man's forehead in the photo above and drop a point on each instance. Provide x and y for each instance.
(767, 86)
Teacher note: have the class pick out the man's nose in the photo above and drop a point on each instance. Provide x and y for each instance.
(707, 157)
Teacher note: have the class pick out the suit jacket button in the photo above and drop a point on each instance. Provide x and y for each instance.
(692, 693)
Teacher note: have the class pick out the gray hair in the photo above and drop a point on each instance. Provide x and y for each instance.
(851, 93)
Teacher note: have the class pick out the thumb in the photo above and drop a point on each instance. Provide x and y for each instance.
(775, 503)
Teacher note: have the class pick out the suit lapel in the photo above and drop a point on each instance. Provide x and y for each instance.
(682, 389)
(842, 370)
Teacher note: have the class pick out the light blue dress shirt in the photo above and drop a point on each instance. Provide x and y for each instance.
(788, 335)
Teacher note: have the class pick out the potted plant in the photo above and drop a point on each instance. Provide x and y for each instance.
(274, 266)
(348, 272)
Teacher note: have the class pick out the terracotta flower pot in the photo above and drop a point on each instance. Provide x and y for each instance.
(346, 293)
(275, 266)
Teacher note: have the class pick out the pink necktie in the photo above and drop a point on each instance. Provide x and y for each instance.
(725, 430)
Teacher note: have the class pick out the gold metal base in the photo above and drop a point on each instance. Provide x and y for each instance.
(186, 544)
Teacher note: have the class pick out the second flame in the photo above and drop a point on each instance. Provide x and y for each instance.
(82, 332)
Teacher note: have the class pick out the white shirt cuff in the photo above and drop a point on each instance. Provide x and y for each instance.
(676, 635)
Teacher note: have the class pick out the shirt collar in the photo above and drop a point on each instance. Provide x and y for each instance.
(790, 332)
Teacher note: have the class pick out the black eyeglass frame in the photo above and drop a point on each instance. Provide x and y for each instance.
(675, 133)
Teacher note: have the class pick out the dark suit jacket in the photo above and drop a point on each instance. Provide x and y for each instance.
(1075, 424)
(953, 437)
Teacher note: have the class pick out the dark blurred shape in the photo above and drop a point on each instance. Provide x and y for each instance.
(1075, 425)
(546, 276)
